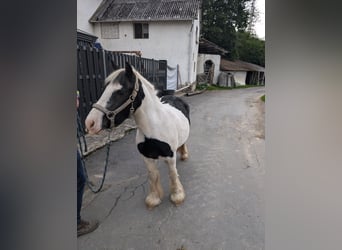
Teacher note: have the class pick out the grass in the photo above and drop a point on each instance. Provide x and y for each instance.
(215, 87)
(263, 98)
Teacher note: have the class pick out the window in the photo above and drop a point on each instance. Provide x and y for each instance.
(110, 30)
(141, 30)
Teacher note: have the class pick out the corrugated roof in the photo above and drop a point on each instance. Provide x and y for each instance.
(145, 10)
(227, 65)
(207, 47)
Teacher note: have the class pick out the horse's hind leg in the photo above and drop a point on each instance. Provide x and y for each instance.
(183, 150)
(156, 191)
(176, 188)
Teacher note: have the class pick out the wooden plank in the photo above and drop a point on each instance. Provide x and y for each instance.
(85, 79)
(94, 65)
(80, 87)
(153, 71)
(110, 60)
(90, 60)
(117, 60)
(100, 73)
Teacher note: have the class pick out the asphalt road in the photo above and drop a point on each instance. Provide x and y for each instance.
(223, 180)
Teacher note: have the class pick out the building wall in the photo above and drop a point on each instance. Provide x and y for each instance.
(240, 77)
(194, 43)
(85, 9)
(174, 41)
(216, 59)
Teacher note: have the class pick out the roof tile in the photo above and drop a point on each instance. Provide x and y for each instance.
(141, 10)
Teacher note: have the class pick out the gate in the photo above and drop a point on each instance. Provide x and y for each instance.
(94, 65)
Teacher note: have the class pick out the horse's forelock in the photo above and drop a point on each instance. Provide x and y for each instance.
(144, 81)
(112, 76)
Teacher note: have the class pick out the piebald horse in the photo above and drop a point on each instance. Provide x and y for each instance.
(163, 126)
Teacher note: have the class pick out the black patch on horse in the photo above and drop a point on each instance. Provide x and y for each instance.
(153, 148)
(178, 103)
(120, 96)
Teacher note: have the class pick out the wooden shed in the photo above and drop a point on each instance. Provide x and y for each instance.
(243, 72)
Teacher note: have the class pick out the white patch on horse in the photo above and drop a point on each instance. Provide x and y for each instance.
(161, 127)
(167, 124)
(160, 120)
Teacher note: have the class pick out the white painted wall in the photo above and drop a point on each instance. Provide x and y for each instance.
(216, 59)
(239, 76)
(85, 9)
(194, 43)
(174, 41)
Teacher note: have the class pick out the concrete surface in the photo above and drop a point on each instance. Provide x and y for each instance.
(223, 180)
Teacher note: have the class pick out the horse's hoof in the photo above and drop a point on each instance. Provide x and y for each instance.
(177, 198)
(184, 157)
(152, 201)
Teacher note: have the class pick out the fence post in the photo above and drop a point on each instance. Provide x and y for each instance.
(177, 75)
(139, 63)
(92, 71)
(153, 71)
(104, 64)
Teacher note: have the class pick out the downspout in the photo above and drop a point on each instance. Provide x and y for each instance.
(190, 52)
(192, 40)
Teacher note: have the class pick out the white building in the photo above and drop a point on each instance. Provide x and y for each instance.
(244, 72)
(159, 29)
(209, 60)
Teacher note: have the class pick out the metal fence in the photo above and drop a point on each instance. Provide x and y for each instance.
(94, 65)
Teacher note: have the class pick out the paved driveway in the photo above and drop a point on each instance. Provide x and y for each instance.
(223, 181)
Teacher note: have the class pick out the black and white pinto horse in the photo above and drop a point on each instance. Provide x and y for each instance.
(163, 126)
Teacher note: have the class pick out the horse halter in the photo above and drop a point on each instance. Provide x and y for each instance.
(111, 114)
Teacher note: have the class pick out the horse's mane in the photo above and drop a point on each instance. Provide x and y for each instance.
(143, 80)
(146, 83)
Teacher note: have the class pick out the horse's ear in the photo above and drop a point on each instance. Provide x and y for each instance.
(128, 70)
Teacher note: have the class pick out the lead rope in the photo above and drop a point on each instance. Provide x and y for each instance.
(111, 116)
(80, 133)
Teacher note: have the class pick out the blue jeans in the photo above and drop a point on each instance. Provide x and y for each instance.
(80, 185)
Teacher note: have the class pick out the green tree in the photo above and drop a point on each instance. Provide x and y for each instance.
(249, 48)
(222, 19)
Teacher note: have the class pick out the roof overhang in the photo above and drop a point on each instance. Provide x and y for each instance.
(239, 65)
(208, 47)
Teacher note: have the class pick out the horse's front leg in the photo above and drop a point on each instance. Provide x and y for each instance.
(176, 188)
(155, 195)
